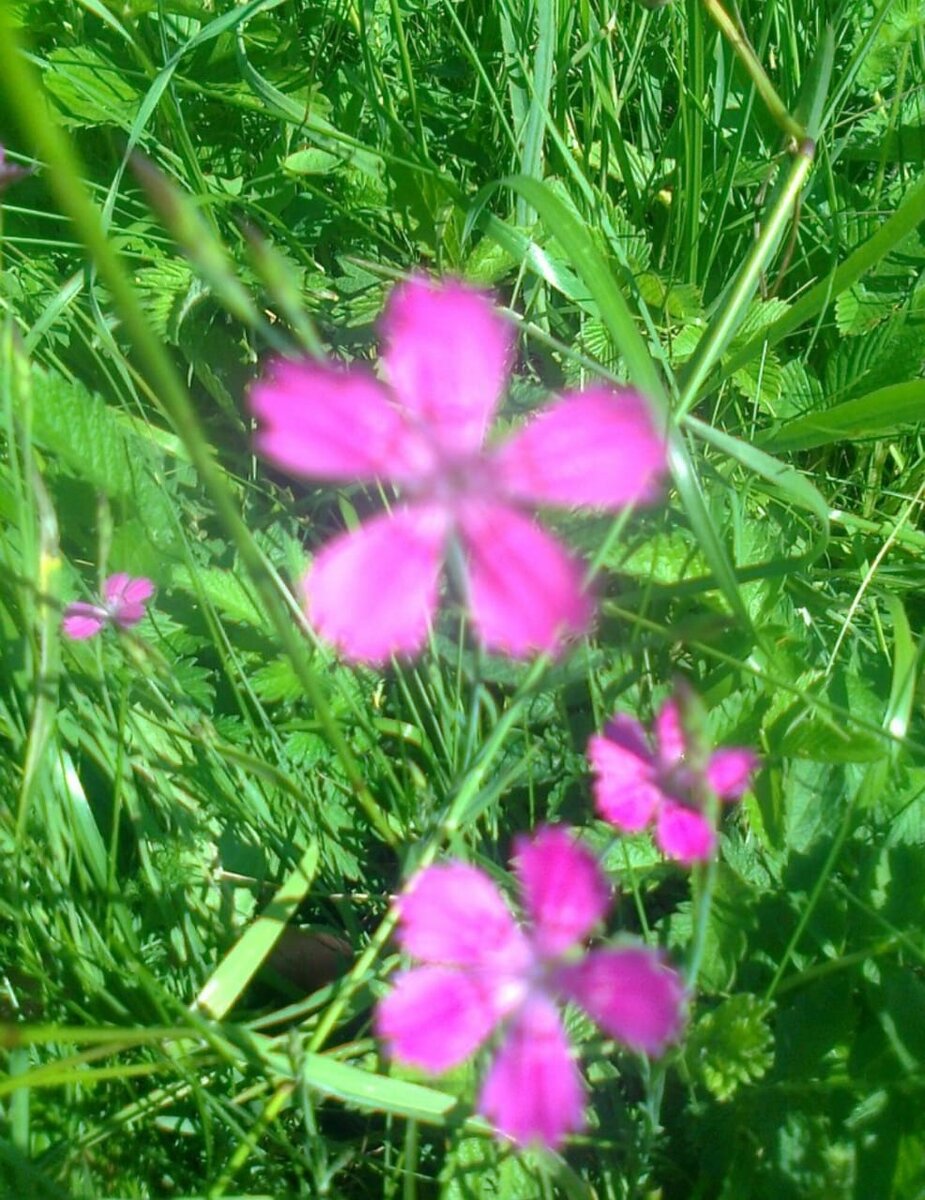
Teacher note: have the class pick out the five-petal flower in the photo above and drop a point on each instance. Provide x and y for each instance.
(637, 783)
(124, 600)
(482, 972)
(373, 592)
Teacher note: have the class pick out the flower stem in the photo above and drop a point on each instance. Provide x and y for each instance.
(703, 886)
(735, 35)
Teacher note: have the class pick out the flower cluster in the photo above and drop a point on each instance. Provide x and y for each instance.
(481, 978)
(482, 974)
(373, 592)
(423, 429)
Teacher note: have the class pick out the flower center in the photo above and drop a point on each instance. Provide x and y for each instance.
(455, 479)
(679, 780)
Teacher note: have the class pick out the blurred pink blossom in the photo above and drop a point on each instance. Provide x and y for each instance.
(123, 604)
(482, 973)
(373, 592)
(637, 783)
(10, 172)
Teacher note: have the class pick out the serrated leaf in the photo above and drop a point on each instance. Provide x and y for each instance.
(731, 1046)
(665, 558)
(94, 442)
(760, 315)
(477, 1171)
(489, 262)
(226, 592)
(678, 300)
(800, 391)
(83, 432)
(905, 19)
(164, 287)
(277, 681)
(859, 309)
(760, 381)
(685, 341)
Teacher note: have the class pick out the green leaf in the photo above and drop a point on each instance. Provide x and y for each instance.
(89, 88)
(731, 1046)
(875, 415)
(244, 959)
(311, 162)
(477, 1169)
(226, 592)
(665, 558)
(117, 455)
(858, 309)
(381, 1093)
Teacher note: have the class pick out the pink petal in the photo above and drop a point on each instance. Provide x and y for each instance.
(627, 732)
(729, 772)
(435, 1017)
(625, 791)
(533, 1091)
(669, 733)
(631, 994)
(525, 590)
(564, 889)
(447, 358)
(330, 423)
(599, 448)
(82, 621)
(129, 615)
(123, 589)
(453, 914)
(126, 598)
(114, 585)
(684, 834)
(373, 592)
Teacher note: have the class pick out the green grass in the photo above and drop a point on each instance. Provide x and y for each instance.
(630, 186)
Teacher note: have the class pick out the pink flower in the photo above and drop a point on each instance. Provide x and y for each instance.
(636, 784)
(373, 592)
(482, 973)
(10, 172)
(123, 605)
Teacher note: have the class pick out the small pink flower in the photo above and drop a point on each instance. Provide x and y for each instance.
(123, 604)
(636, 784)
(373, 592)
(483, 973)
(10, 172)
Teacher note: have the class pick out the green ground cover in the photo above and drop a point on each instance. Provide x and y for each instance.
(728, 216)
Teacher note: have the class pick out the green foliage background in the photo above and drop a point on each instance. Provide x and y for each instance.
(608, 169)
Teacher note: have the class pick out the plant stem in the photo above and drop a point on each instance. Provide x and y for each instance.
(725, 324)
(736, 37)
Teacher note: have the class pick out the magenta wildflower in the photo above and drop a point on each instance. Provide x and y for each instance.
(637, 783)
(483, 973)
(373, 592)
(10, 172)
(123, 604)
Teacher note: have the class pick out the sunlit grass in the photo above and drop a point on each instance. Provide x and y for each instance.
(170, 796)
